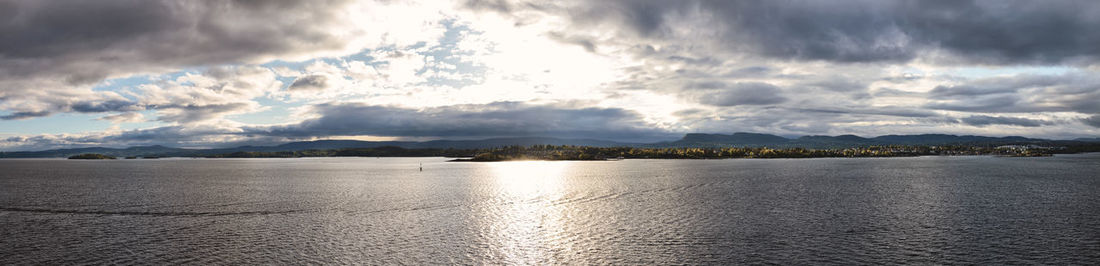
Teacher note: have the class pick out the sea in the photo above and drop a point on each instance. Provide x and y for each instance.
(917, 210)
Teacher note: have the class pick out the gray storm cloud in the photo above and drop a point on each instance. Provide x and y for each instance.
(1093, 121)
(993, 32)
(310, 82)
(85, 41)
(985, 120)
(750, 93)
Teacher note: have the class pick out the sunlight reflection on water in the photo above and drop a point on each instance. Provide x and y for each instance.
(528, 222)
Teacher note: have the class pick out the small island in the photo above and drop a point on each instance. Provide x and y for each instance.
(92, 156)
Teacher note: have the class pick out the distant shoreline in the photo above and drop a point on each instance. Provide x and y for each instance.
(587, 157)
(470, 148)
(466, 159)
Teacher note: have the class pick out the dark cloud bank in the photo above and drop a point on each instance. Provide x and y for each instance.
(85, 41)
(475, 120)
(990, 32)
(985, 120)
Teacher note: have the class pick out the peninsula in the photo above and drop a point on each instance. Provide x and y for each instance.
(91, 156)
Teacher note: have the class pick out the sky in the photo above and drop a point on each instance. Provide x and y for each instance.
(221, 73)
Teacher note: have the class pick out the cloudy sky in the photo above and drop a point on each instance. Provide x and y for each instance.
(225, 73)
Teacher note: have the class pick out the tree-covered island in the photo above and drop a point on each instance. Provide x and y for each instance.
(92, 156)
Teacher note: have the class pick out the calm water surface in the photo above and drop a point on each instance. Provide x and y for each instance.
(957, 210)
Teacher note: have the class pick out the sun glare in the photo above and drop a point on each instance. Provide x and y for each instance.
(528, 179)
(527, 220)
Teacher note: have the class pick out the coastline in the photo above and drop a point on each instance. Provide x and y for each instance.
(469, 159)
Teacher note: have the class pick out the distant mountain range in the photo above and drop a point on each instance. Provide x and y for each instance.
(131, 151)
(842, 141)
(740, 139)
